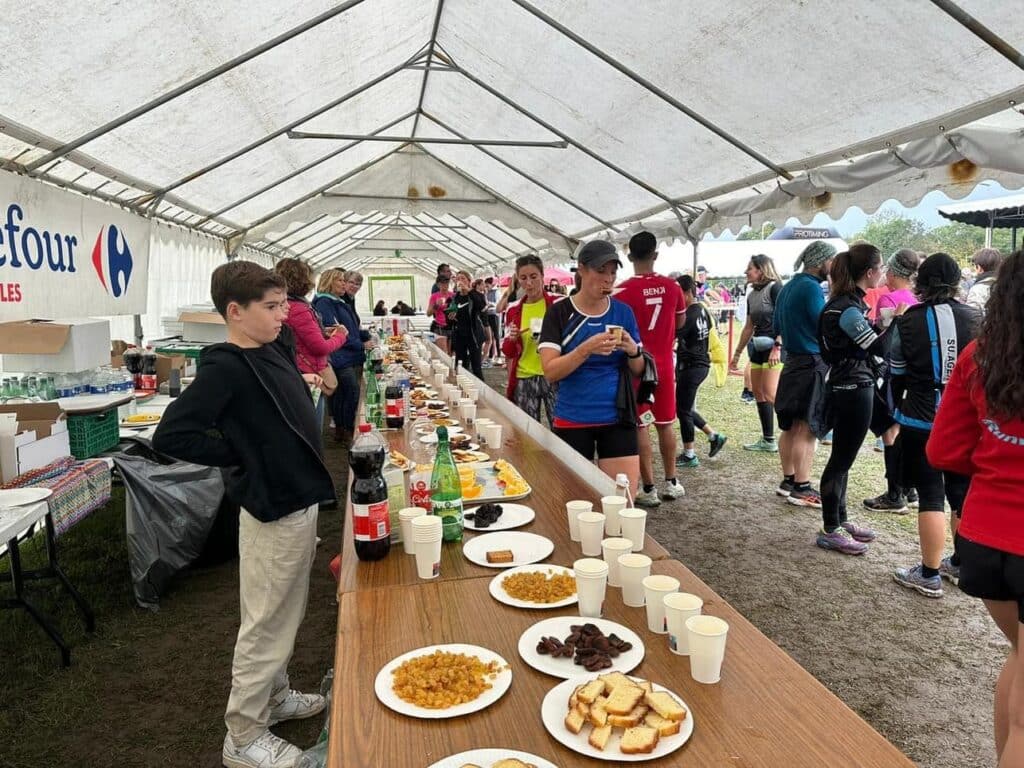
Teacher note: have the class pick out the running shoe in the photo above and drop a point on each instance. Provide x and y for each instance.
(827, 439)
(913, 578)
(486, 364)
(859, 532)
(717, 443)
(747, 396)
(672, 491)
(886, 503)
(647, 498)
(805, 497)
(763, 446)
(840, 541)
(912, 500)
(949, 572)
(785, 488)
(684, 462)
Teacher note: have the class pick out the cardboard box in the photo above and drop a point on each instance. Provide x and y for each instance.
(166, 363)
(41, 437)
(55, 346)
(207, 327)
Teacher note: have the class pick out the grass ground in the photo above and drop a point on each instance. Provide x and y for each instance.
(148, 689)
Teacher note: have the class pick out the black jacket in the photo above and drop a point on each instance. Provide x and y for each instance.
(229, 417)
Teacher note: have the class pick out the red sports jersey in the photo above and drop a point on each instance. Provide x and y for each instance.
(656, 301)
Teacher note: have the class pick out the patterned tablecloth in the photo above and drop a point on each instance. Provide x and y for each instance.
(79, 488)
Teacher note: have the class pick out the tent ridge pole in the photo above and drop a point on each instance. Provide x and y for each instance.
(184, 88)
(652, 88)
(981, 31)
(299, 135)
(429, 61)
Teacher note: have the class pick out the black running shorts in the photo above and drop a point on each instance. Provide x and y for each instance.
(608, 441)
(991, 574)
(934, 487)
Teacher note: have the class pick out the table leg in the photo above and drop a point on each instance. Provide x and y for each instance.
(51, 553)
(17, 579)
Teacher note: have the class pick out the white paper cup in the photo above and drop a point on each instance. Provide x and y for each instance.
(707, 647)
(633, 569)
(655, 589)
(611, 506)
(425, 527)
(473, 393)
(440, 380)
(454, 395)
(611, 549)
(405, 518)
(428, 558)
(536, 324)
(480, 424)
(573, 510)
(680, 606)
(633, 524)
(591, 583)
(591, 525)
(468, 410)
(886, 314)
(492, 433)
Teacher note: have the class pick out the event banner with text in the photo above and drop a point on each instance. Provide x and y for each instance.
(62, 255)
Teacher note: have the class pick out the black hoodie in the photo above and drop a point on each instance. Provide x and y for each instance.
(230, 416)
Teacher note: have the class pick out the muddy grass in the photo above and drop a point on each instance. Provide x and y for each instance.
(149, 689)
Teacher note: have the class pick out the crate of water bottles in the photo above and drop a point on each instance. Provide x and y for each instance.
(37, 387)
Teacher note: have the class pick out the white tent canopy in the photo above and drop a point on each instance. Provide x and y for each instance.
(519, 124)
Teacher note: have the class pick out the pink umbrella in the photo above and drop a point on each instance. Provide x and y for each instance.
(550, 273)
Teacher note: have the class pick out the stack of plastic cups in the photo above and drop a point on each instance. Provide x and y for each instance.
(405, 518)
(611, 506)
(426, 539)
(573, 509)
(633, 523)
(591, 527)
(591, 583)
(612, 549)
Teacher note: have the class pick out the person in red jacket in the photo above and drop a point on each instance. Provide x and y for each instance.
(979, 431)
(527, 387)
(313, 342)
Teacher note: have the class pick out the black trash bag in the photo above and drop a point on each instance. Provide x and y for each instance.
(172, 508)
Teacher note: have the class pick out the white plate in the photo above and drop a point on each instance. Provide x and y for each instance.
(559, 627)
(526, 548)
(382, 686)
(512, 516)
(556, 704)
(488, 757)
(431, 438)
(498, 591)
(19, 497)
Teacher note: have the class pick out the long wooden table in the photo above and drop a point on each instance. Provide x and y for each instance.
(766, 712)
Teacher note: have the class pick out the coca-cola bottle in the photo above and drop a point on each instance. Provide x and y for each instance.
(133, 362)
(149, 369)
(371, 521)
(394, 405)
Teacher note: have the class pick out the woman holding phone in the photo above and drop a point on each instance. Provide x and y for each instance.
(527, 387)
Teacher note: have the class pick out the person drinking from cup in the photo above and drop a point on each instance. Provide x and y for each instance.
(527, 387)
(585, 341)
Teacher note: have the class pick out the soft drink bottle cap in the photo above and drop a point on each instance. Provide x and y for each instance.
(365, 428)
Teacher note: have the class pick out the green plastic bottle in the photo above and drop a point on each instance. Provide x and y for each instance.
(445, 490)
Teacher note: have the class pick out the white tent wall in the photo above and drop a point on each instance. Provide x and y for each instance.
(422, 280)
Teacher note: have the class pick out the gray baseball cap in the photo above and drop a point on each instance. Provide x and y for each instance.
(597, 253)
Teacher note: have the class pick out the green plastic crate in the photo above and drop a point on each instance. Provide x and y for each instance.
(93, 433)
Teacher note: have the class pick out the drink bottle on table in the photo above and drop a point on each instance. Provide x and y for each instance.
(446, 489)
(371, 521)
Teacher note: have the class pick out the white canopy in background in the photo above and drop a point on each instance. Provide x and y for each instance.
(582, 117)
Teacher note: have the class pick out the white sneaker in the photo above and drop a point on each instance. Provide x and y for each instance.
(647, 498)
(297, 706)
(672, 491)
(267, 751)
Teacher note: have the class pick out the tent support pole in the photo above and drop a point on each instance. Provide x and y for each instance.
(429, 62)
(194, 83)
(138, 330)
(524, 174)
(989, 37)
(651, 87)
(426, 140)
(346, 235)
(487, 237)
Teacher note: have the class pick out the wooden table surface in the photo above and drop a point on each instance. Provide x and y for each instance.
(766, 712)
(552, 485)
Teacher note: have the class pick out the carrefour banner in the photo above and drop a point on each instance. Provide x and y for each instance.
(62, 255)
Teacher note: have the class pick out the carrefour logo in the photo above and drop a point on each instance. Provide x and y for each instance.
(112, 260)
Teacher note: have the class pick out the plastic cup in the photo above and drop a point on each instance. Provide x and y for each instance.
(615, 329)
(655, 590)
(426, 540)
(454, 395)
(591, 525)
(468, 409)
(573, 510)
(439, 381)
(473, 393)
(680, 606)
(886, 313)
(611, 506)
(633, 524)
(611, 549)
(480, 424)
(633, 569)
(405, 518)
(492, 434)
(591, 583)
(707, 647)
(536, 324)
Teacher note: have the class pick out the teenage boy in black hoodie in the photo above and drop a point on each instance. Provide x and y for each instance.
(250, 409)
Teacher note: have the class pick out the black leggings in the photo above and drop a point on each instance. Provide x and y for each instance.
(467, 351)
(852, 409)
(688, 381)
